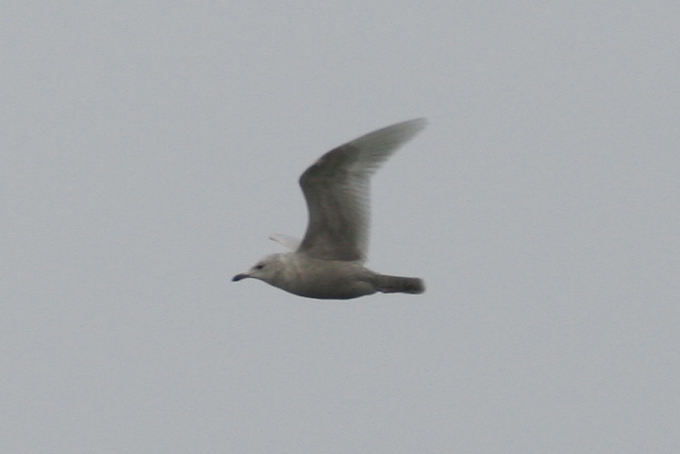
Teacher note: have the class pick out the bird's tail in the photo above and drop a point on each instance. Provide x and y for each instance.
(396, 284)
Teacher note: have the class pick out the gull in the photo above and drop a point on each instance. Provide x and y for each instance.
(328, 263)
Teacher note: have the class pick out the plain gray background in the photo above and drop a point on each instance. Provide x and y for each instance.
(149, 149)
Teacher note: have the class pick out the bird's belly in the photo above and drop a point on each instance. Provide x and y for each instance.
(332, 281)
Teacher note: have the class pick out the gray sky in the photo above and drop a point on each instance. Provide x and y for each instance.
(149, 149)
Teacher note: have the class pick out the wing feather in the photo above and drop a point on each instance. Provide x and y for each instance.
(336, 188)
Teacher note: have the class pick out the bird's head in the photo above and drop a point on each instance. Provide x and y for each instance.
(264, 270)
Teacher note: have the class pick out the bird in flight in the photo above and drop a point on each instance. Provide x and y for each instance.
(328, 263)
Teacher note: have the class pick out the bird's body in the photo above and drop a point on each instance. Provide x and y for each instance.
(318, 278)
(328, 262)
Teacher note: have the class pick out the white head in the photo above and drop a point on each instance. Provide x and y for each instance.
(265, 270)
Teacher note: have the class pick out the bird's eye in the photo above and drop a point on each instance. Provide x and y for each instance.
(259, 266)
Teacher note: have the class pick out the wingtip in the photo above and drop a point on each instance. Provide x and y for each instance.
(417, 123)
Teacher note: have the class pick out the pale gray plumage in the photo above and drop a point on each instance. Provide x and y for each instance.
(328, 262)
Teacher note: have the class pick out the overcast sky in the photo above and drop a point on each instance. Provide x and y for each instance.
(150, 148)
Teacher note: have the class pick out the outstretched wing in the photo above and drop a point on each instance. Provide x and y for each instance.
(336, 188)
